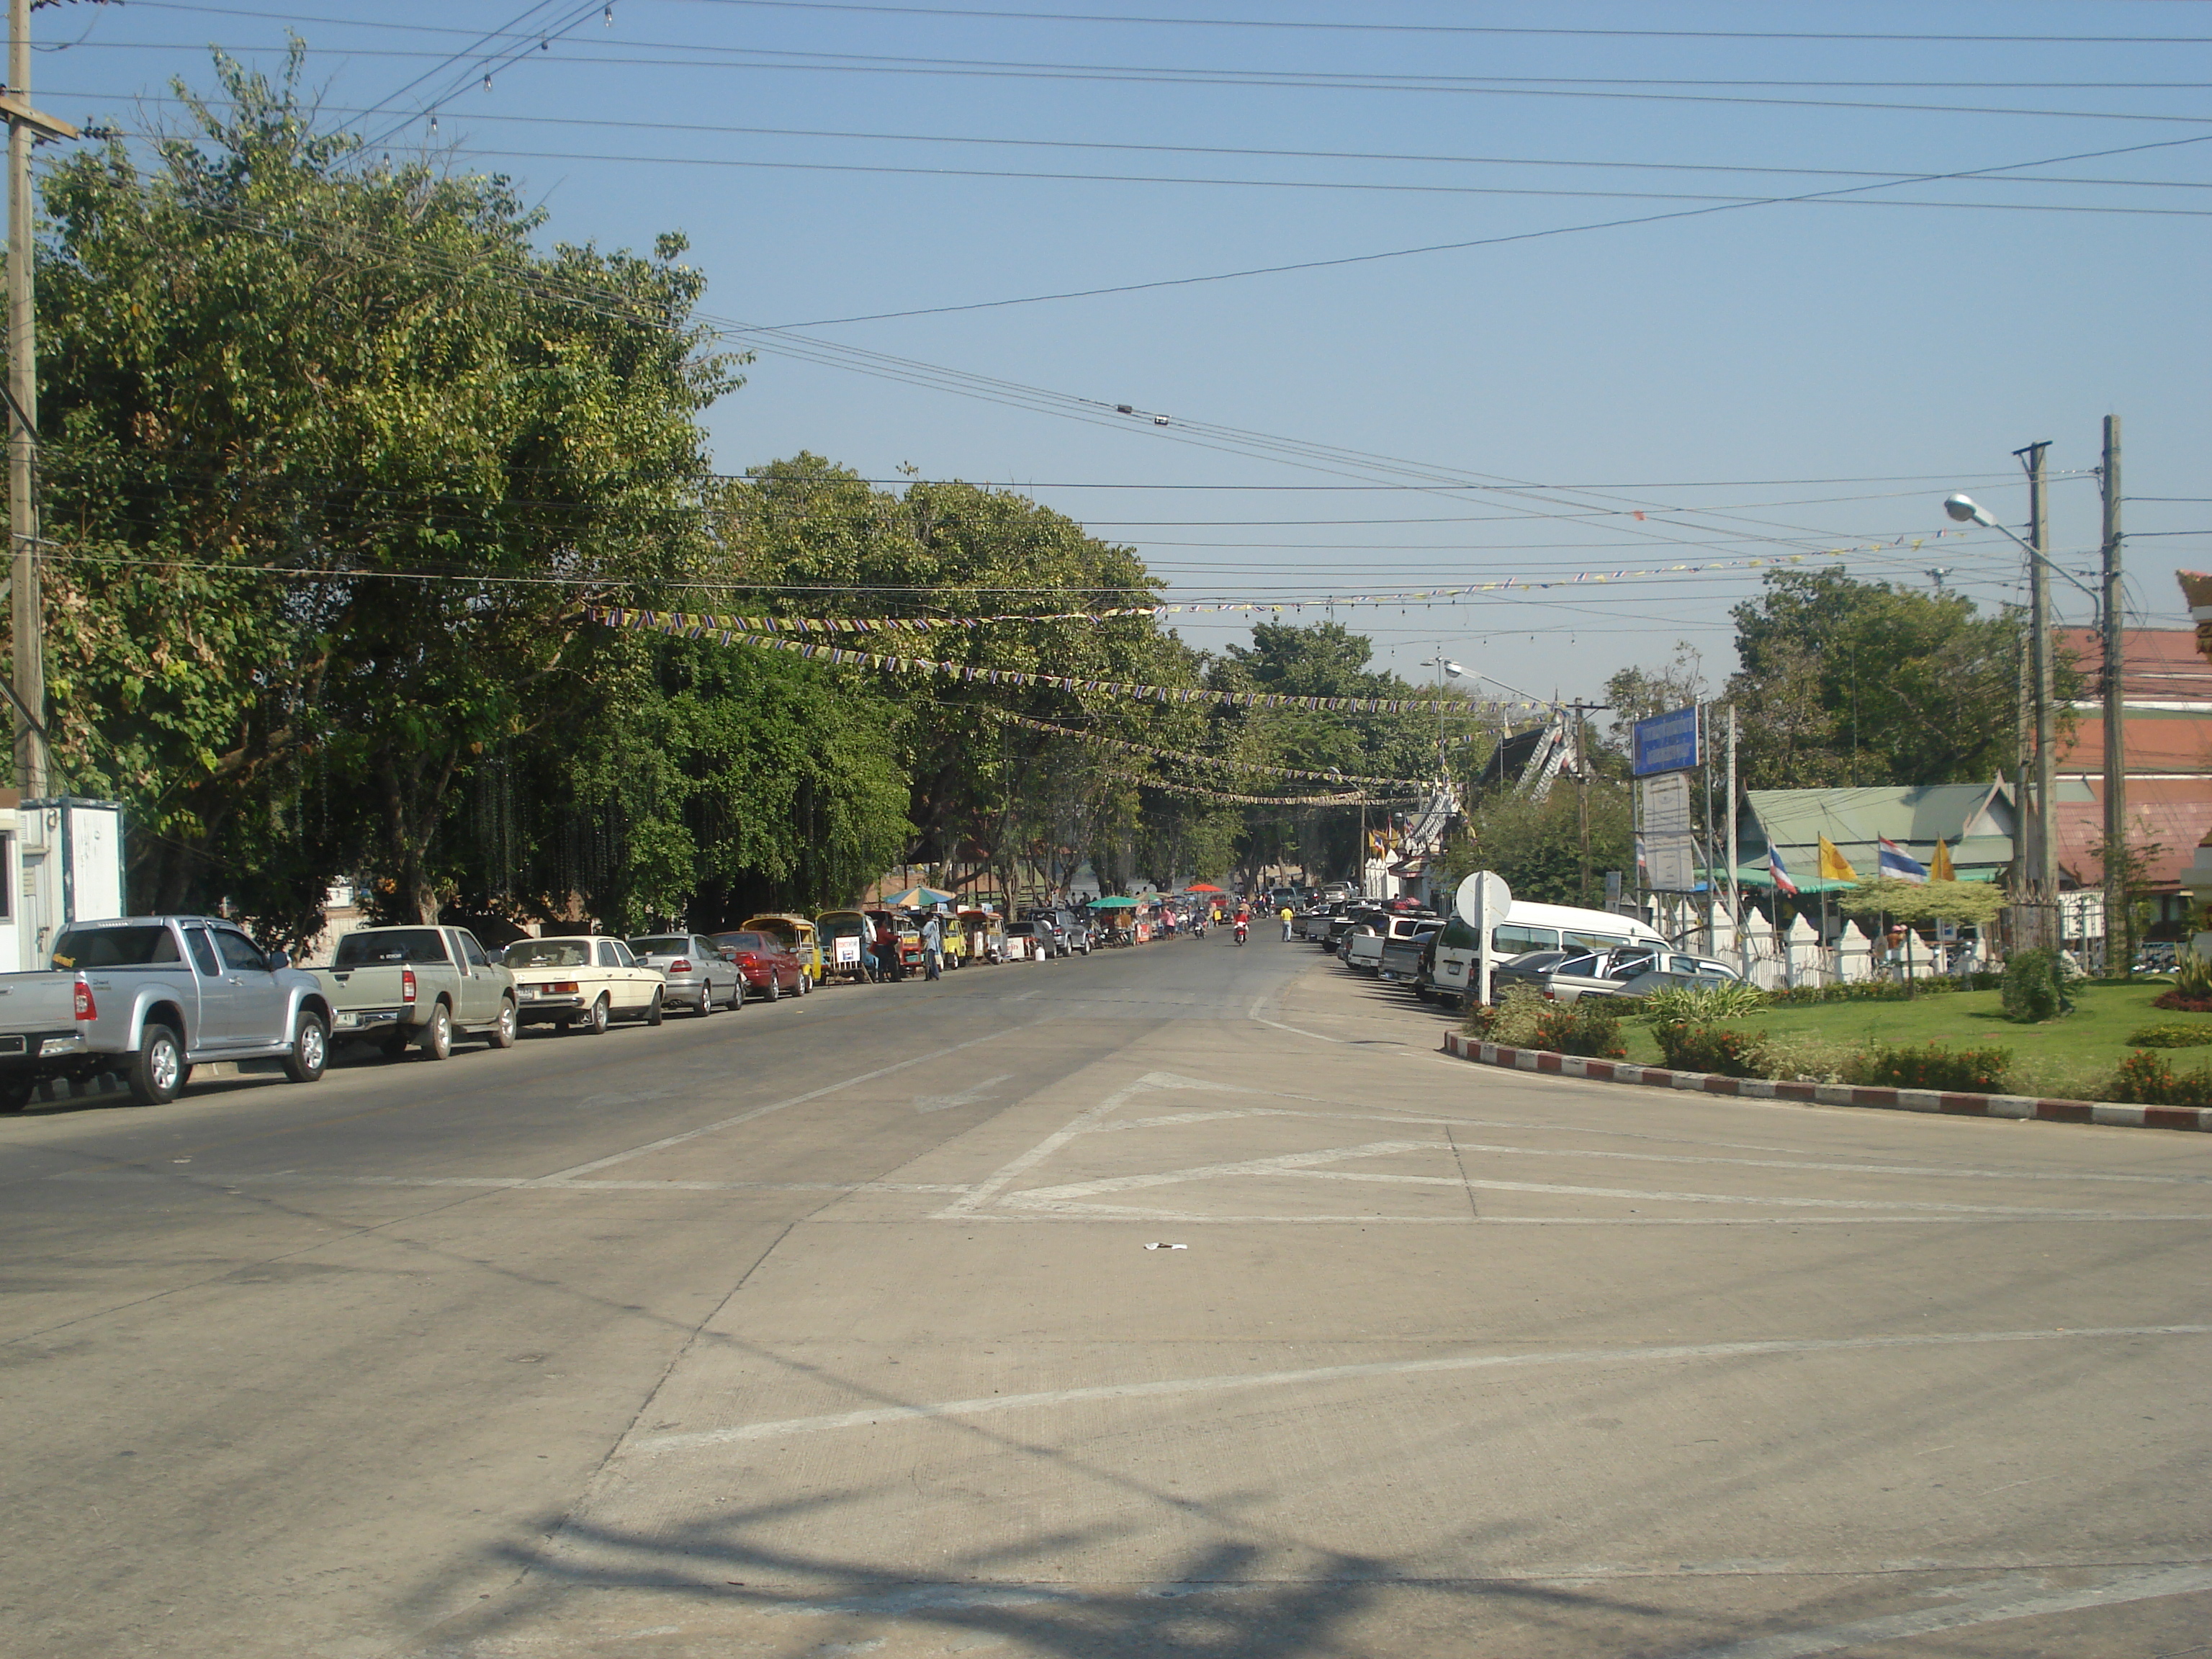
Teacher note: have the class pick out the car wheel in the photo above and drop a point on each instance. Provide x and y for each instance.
(502, 1033)
(311, 1050)
(654, 1013)
(706, 1000)
(775, 988)
(805, 984)
(158, 1072)
(437, 1039)
(596, 1021)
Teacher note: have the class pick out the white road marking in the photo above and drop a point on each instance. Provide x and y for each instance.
(1296, 1031)
(966, 1096)
(667, 1141)
(876, 1416)
(1287, 1163)
(1052, 1143)
(1993, 1606)
(518, 1183)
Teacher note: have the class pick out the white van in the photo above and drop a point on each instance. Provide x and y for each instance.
(1530, 927)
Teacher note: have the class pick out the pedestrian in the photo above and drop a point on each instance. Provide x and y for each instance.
(1287, 922)
(932, 946)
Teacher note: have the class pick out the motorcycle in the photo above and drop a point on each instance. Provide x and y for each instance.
(1241, 931)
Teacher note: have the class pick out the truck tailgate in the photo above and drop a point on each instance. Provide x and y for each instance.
(31, 1005)
(373, 994)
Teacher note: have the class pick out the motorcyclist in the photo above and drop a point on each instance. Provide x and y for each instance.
(1243, 922)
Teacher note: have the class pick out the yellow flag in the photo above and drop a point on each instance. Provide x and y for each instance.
(1834, 866)
(1942, 869)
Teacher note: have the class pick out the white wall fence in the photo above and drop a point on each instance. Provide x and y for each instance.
(1773, 959)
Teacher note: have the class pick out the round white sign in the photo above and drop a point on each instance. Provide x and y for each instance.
(1483, 900)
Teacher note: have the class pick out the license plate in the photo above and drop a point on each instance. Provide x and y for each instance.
(526, 992)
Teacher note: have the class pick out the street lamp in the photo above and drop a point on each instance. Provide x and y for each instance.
(2038, 820)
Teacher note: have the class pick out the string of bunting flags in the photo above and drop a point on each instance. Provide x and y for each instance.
(1128, 747)
(684, 625)
(773, 625)
(1346, 798)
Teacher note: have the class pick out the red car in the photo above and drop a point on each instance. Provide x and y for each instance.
(766, 967)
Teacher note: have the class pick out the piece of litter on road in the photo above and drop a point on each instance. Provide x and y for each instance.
(1167, 1246)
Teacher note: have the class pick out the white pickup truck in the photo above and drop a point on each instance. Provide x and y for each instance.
(148, 998)
(1363, 947)
(397, 986)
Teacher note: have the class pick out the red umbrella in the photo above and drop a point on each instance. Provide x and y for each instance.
(1201, 887)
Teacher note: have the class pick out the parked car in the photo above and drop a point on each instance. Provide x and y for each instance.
(799, 934)
(1055, 924)
(1528, 968)
(768, 965)
(1529, 926)
(1406, 948)
(397, 986)
(1363, 947)
(1633, 971)
(696, 972)
(147, 998)
(589, 981)
(1038, 941)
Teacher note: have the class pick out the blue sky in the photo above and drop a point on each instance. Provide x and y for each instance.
(1758, 381)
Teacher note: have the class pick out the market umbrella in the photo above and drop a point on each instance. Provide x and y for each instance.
(1114, 903)
(1203, 887)
(917, 898)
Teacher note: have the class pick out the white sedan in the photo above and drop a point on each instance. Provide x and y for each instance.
(565, 982)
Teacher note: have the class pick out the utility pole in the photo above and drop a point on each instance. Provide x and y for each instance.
(2043, 841)
(1734, 887)
(2117, 922)
(24, 125)
(1582, 801)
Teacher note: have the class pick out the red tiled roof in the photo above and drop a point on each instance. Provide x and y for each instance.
(2156, 743)
(2173, 813)
(2157, 665)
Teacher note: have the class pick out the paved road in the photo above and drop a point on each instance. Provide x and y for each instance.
(830, 1328)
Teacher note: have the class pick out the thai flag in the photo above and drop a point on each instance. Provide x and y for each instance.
(1898, 865)
(1779, 873)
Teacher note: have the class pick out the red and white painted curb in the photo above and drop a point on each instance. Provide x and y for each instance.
(1830, 1094)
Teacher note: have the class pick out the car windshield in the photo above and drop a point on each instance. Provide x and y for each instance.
(675, 945)
(399, 945)
(549, 953)
(115, 947)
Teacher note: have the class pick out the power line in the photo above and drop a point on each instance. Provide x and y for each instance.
(762, 59)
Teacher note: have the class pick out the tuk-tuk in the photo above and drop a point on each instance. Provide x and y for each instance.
(906, 927)
(799, 934)
(983, 935)
(832, 926)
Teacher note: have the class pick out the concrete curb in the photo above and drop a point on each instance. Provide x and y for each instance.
(1830, 1094)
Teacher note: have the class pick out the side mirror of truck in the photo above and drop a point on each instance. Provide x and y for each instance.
(278, 962)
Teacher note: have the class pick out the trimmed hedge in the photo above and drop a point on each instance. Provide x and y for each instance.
(1724, 1050)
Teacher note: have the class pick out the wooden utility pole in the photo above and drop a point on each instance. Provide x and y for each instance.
(24, 125)
(2119, 944)
(2043, 845)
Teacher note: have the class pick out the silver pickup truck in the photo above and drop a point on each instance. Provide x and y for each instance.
(397, 986)
(148, 998)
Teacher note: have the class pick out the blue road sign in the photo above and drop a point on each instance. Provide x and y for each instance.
(1667, 742)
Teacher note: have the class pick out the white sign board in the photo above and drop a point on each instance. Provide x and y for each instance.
(848, 950)
(1672, 861)
(1666, 805)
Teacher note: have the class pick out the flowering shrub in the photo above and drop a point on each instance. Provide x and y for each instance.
(1972, 1071)
(2174, 1036)
(1723, 1049)
(2146, 1080)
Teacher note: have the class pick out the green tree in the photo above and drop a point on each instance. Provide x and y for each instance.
(333, 451)
(1850, 681)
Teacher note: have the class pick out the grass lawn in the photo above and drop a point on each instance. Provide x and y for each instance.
(2092, 1039)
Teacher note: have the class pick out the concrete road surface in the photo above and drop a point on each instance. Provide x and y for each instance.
(839, 1328)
